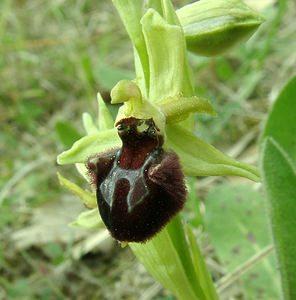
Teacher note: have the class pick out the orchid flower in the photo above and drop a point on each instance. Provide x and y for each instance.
(163, 91)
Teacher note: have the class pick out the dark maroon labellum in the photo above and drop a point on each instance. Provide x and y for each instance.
(140, 187)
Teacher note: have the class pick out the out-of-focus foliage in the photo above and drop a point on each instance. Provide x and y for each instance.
(243, 235)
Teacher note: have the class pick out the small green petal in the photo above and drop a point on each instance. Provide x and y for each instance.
(89, 219)
(88, 145)
(198, 158)
(177, 109)
(88, 124)
(105, 120)
(88, 198)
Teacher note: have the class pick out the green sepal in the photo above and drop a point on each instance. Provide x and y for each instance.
(165, 47)
(213, 27)
(88, 198)
(131, 12)
(89, 145)
(199, 158)
(89, 219)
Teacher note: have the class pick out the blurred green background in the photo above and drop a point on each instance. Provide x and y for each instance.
(54, 57)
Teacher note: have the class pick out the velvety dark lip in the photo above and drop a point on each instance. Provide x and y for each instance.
(140, 187)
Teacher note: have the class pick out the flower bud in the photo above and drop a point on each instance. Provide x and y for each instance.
(212, 27)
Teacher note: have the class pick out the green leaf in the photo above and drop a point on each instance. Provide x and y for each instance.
(167, 259)
(89, 219)
(201, 159)
(67, 133)
(88, 198)
(55, 252)
(19, 288)
(279, 177)
(281, 122)
(88, 145)
(238, 229)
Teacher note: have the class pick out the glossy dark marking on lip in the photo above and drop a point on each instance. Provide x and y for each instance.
(140, 187)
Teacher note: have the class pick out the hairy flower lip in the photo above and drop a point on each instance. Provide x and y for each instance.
(139, 187)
